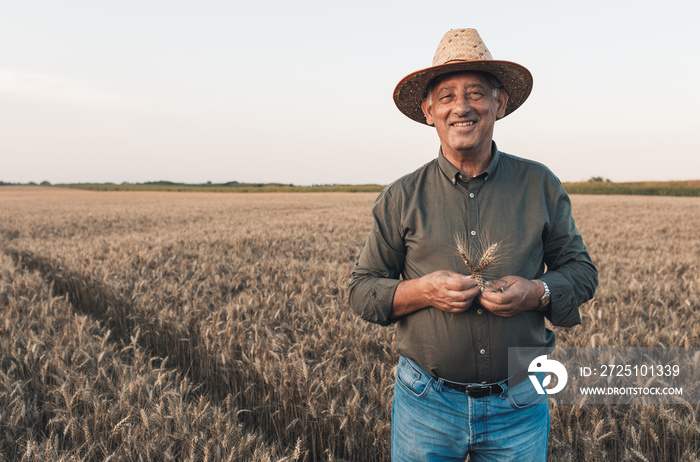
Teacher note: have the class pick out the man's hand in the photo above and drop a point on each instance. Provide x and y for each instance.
(449, 291)
(445, 290)
(511, 295)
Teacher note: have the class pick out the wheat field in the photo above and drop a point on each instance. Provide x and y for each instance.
(203, 326)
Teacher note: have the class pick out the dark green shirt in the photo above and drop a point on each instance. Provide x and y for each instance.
(517, 203)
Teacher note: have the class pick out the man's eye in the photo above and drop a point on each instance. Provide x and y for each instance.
(445, 97)
(475, 95)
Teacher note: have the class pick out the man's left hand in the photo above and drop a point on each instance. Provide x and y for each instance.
(511, 295)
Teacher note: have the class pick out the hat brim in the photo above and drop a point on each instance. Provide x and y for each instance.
(410, 91)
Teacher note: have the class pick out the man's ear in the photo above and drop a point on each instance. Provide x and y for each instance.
(425, 107)
(502, 104)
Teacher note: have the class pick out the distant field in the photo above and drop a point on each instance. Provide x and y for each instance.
(667, 188)
(223, 188)
(164, 326)
(647, 188)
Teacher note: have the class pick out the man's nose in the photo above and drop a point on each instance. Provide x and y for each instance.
(462, 105)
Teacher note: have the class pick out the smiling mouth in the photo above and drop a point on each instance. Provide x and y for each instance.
(464, 124)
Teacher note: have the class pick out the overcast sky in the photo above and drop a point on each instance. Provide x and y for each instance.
(301, 92)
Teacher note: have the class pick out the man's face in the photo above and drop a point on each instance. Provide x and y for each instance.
(463, 109)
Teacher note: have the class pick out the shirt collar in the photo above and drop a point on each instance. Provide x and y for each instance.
(454, 175)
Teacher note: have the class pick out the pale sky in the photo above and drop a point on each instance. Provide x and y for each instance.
(301, 92)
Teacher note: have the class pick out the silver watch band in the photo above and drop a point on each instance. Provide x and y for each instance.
(546, 297)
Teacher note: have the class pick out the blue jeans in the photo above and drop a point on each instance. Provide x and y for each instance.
(431, 422)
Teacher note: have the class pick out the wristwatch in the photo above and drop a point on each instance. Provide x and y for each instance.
(546, 298)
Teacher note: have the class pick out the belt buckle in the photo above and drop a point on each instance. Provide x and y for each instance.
(480, 391)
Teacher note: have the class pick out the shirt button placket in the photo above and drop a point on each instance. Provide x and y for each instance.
(473, 213)
(483, 368)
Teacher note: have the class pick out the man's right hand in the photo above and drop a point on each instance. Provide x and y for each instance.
(445, 290)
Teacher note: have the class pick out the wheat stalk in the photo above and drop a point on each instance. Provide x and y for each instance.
(477, 270)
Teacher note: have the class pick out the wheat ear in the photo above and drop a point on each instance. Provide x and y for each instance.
(474, 270)
(487, 258)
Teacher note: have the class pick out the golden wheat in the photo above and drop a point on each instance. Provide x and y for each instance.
(488, 257)
(181, 326)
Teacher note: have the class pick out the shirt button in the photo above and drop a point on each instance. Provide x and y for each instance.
(482, 351)
(479, 311)
(473, 233)
(471, 195)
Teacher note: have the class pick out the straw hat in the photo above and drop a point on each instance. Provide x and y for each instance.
(462, 50)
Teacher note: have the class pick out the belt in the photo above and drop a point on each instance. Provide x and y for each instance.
(479, 391)
(475, 391)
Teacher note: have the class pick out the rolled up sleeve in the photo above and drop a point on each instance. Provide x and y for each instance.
(571, 276)
(377, 274)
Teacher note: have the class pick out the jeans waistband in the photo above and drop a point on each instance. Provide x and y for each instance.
(486, 389)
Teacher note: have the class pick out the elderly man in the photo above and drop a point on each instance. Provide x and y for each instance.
(456, 393)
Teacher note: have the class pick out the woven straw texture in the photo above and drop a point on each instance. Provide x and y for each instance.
(462, 50)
